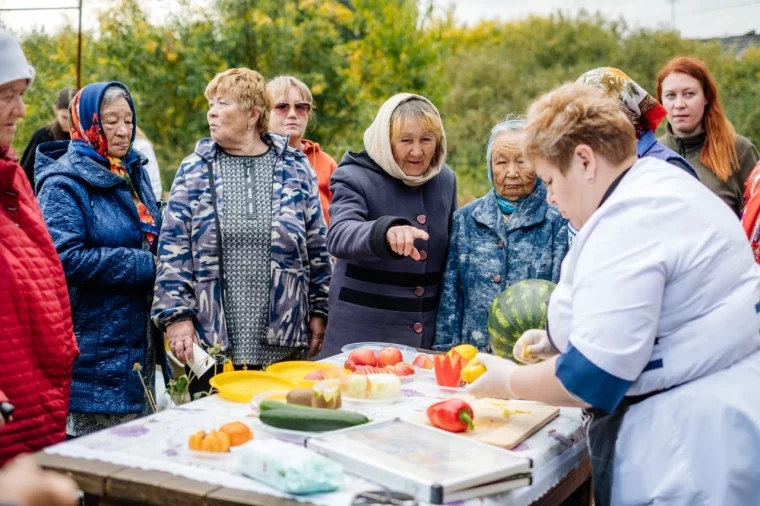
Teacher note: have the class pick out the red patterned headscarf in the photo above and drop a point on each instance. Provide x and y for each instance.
(89, 139)
(644, 111)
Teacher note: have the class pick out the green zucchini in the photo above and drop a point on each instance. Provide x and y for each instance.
(310, 419)
(270, 405)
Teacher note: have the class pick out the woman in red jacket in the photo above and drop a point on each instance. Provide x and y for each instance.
(37, 345)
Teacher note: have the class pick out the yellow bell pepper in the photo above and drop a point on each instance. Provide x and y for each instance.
(472, 371)
(467, 351)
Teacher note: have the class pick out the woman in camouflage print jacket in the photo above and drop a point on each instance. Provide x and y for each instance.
(190, 280)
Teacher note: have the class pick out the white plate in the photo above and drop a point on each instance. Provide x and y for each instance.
(452, 390)
(287, 434)
(263, 396)
(179, 443)
(423, 371)
(371, 402)
(408, 378)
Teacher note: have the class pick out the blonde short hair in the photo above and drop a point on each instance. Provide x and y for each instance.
(248, 88)
(426, 114)
(280, 85)
(576, 114)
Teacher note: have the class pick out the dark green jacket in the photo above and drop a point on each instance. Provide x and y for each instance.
(731, 191)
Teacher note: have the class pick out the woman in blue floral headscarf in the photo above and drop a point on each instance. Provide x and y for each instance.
(97, 200)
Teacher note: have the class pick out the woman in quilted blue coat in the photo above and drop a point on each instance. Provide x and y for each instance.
(509, 235)
(98, 204)
(242, 255)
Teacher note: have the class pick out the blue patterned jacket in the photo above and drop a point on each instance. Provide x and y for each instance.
(95, 228)
(487, 254)
(188, 283)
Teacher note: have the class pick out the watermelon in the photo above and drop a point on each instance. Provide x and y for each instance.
(522, 306)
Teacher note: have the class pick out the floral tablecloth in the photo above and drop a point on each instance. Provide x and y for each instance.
(159, 442)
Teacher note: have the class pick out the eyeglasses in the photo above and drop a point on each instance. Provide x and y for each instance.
(301, 108)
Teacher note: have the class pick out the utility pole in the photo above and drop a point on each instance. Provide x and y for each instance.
(673, 14)
(79, 49)
(79, 34)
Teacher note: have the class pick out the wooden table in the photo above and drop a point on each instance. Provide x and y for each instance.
(110, 485)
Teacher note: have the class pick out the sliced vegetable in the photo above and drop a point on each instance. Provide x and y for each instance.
(403, 369)
(452, 415)
(448, 369)
(423, 361)
(356, 386)
(330, 373)
(472, 371)
(367, 369)
(384, 386)
(311, 419)
(217, 442)
(326, 394)
(467, 351)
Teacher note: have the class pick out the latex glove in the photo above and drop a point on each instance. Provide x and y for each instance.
(401, 240)
(533, 346)
(495, 381)
(181, 336)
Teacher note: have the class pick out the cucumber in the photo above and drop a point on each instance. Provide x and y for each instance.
(270, 405)
(310, 419)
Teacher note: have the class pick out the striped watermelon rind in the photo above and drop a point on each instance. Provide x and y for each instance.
(522, 306)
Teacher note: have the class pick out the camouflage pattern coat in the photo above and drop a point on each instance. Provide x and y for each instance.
(188, 281)
(487, 254)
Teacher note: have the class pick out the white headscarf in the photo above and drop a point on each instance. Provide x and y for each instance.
(377, 142)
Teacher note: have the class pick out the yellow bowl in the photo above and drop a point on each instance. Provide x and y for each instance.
(296, 370)
(241, 386)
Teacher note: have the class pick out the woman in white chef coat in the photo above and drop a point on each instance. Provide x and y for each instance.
(654, 325)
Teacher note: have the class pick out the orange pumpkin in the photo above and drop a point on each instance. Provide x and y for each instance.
(196, 439)
(238, 432)
(217, 442)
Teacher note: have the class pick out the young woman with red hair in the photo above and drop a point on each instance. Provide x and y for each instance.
(699, 130)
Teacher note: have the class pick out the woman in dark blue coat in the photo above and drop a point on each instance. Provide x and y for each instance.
(509, 235)
(98, 204)
(389, 227)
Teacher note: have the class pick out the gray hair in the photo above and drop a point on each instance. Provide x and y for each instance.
(512, 123)
(112, 94)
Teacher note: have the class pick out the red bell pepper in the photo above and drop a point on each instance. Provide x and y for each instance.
(448, 369)
(453, 415)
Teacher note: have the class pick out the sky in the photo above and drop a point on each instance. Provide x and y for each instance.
(693, 18)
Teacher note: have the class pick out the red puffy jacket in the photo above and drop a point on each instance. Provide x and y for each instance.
(37, 343)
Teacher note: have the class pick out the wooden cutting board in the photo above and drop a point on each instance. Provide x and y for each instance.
(492, 427)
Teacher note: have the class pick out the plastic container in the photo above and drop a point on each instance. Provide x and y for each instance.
(242, 386)
(296, 370)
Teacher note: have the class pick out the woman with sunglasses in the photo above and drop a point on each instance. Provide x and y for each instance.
(242, 256)
(292, 110)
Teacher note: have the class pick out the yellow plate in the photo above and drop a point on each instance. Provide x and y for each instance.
(296, 370)
(241, 386)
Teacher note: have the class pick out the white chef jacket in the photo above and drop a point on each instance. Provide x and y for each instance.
(661, 290)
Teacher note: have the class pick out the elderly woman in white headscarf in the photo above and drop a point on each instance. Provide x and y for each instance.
(390, 218)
